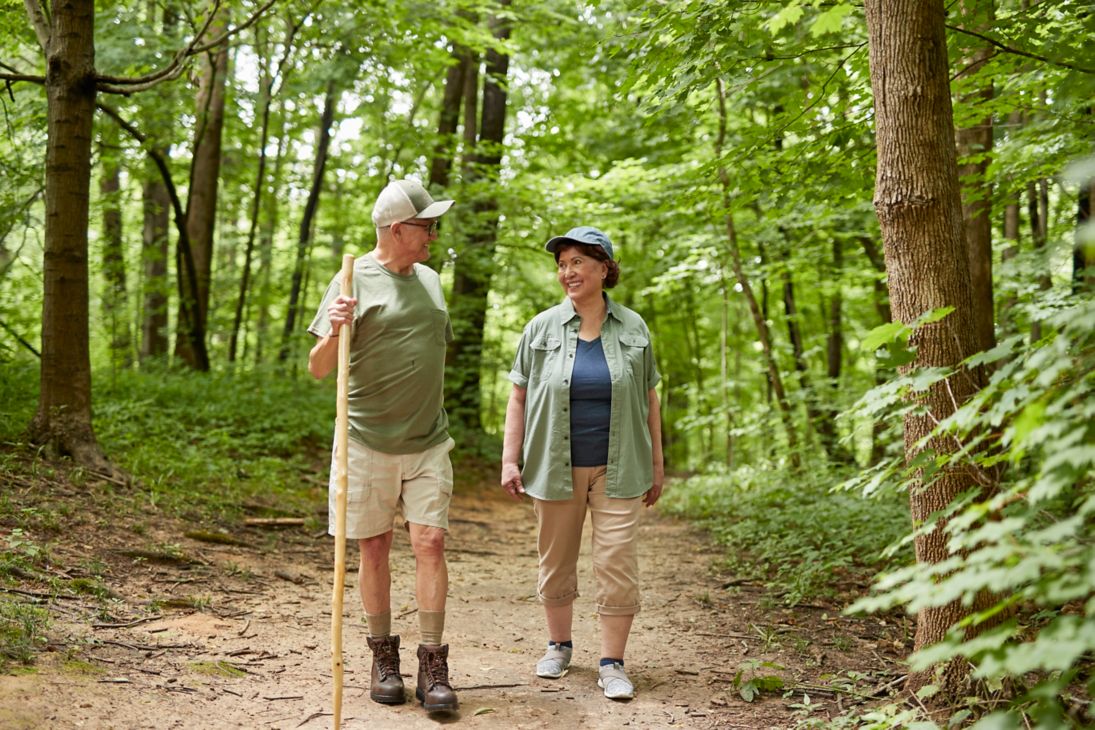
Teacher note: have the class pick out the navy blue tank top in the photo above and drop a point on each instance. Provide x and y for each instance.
(590, 405)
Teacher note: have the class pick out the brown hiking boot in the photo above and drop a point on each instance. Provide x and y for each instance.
(386, 686)
(434, 691)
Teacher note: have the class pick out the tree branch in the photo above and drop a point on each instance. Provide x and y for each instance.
(1018, 51)
(39, 21)
(19, 339)
(23, 77)
(126, 85)
(171, 70)
(238, 29)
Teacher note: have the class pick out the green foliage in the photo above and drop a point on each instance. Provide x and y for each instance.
(1028, 542)
(793, 532)
(209, 441)
(22, 632)
(751, 682)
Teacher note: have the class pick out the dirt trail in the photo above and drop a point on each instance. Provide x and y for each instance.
(252, 650)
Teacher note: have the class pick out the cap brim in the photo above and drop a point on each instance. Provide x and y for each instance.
(436, 210)
(554, 244)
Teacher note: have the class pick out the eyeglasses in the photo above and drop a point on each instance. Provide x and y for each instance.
(431, 227)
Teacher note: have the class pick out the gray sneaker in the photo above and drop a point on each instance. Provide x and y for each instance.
(613, 680)
(555, 663)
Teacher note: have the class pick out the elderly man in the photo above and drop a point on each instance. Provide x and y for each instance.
(399, 442)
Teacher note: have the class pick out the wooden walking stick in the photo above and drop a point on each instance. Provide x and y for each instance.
(342, 429)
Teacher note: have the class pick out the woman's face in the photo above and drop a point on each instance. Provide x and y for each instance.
(581, 275)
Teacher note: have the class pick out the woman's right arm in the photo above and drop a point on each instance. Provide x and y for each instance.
(513, 440)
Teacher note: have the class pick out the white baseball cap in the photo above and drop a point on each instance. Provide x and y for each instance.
(402, 200)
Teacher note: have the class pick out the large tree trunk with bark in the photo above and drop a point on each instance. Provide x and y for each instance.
(304, 240)
(918, 205)
(63, 419)
(474, 267)
(201, 202)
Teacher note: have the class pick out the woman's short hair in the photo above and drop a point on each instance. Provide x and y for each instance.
(612, 277)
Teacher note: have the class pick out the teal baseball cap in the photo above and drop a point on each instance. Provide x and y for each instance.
(586, 235)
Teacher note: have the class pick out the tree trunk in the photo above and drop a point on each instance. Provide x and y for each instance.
(974, 149)
(304, 239)
(265, 95)
(820, 421)
(724, 366)
(775, 381)
(449, 117)
(472, 274)
(1038, 210)
(63, 420)
(1083, 274)
(201, 201)
(918, 205)
(115, 301)
(266, 247)
(834, 356)
(882, 306)
(154, 252)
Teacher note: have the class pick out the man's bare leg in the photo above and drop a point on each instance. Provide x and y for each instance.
(375, 584)
(431, 582)
(374, 577)
(431, 573)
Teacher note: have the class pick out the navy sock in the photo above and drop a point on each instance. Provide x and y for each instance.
(605, 661)
(569, 643)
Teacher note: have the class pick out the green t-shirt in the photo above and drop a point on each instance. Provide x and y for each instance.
(397, 357)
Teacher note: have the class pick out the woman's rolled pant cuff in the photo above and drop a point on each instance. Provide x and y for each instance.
(618, 610)
(558, 601)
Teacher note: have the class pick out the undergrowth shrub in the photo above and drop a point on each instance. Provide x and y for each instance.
(213, 439)
(792, 532)
(1030, 543)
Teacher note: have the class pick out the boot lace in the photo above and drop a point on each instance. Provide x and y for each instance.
(387, 660)
(437, 669)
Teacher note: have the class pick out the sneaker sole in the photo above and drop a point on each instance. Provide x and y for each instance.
(560, 675)
(617, 697)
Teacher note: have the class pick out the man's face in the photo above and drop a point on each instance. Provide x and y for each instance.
(414, 237)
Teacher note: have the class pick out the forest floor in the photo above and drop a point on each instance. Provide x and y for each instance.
(206, 635)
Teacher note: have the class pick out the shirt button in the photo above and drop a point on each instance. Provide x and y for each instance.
(565, 382)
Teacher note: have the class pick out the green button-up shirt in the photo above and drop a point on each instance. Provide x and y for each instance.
(543, 366)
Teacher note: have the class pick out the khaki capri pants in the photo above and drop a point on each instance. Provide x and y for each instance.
(615, 525)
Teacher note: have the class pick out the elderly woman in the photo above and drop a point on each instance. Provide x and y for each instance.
(584, 419)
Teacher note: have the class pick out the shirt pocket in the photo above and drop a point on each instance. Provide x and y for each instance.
(439, 326)
(633, 346)
(545, 349)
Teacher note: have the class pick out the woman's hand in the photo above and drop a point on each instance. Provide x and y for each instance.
(511, 481)
(655, 492)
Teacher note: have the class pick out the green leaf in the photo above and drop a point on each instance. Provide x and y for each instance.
(934, 315)
(830, 21)
(789, 15)
(882, 334)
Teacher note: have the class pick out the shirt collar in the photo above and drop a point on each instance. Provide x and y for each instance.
(569, 313)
